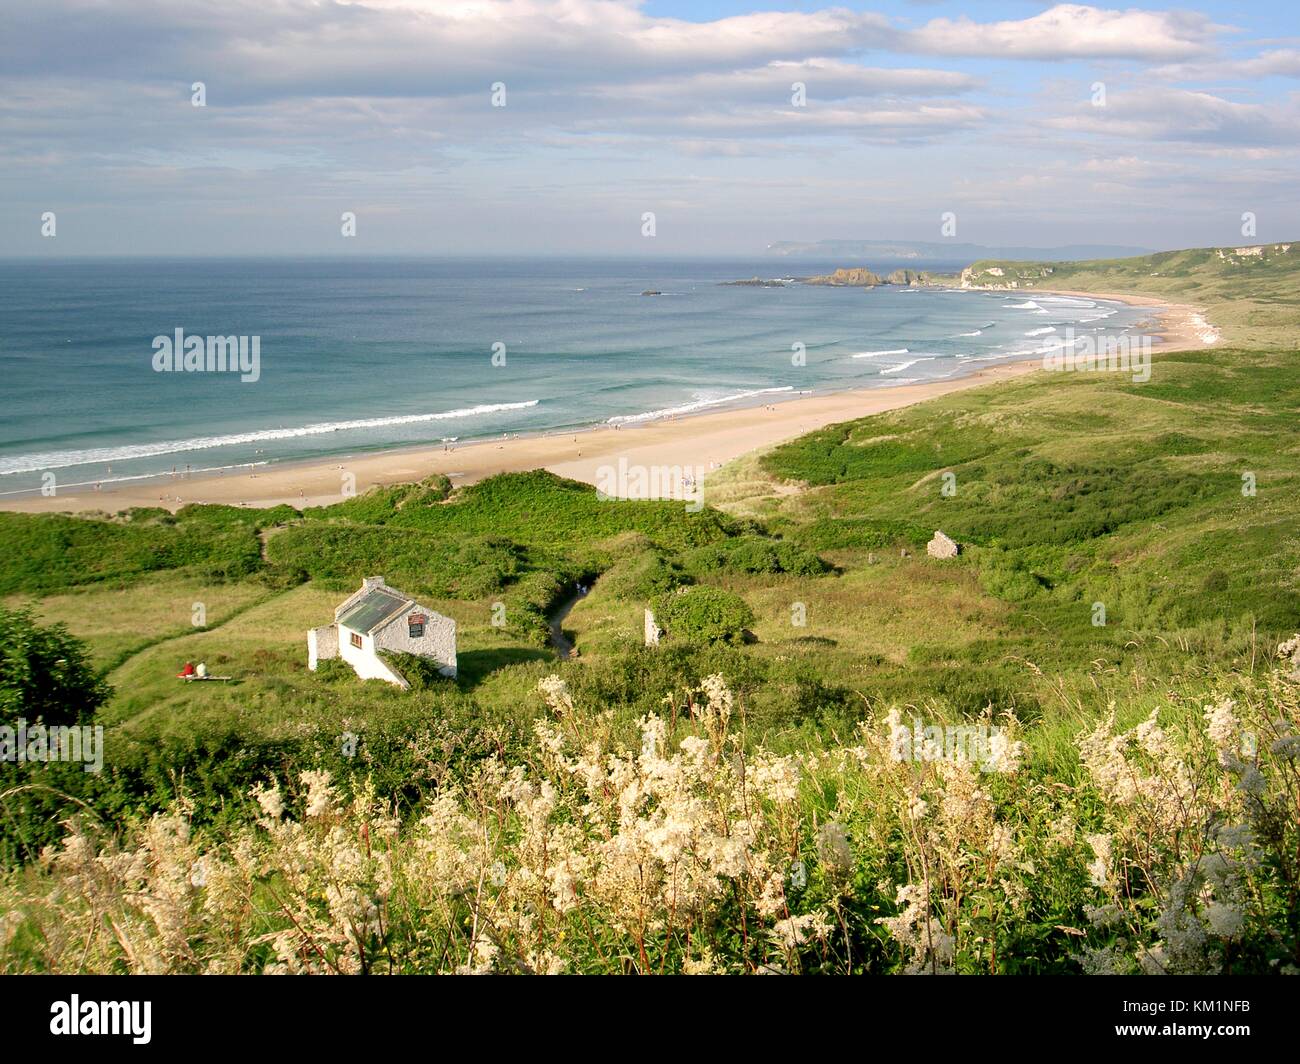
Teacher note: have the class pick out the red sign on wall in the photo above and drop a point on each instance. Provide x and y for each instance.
(417, 618)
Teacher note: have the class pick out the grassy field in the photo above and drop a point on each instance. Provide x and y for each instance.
(118, 622)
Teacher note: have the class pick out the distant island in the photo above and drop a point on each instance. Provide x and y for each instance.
(845, 277)
(858, 277)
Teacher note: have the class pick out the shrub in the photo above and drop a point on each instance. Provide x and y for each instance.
(755, 555)
(341, 554)
(420, 673)
(1008, 576)
(44, 552)
(838, 533)
(644, 577)
(45, 673)
(1216, 581)
(703, 615)
(335, 670)
(1174, 852)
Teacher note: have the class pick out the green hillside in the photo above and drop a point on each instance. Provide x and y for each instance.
(1252, 292)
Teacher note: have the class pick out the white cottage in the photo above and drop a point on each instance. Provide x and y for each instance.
(378, 617)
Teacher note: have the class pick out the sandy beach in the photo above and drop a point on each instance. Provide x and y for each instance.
(703, 441)
(1179, 326)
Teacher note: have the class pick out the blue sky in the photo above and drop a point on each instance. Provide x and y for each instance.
(1032, 123)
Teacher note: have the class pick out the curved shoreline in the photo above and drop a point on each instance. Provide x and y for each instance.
(703, 441)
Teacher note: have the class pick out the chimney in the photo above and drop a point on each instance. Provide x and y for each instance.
(372, 581)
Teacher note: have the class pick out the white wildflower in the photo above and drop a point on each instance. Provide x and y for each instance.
(1099, 869)
(320, 794)
(1226, 921)
(1221, 726)
(270, 800)
(1005, 754)
(555, 693)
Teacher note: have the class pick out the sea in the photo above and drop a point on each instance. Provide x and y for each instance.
(360, 355)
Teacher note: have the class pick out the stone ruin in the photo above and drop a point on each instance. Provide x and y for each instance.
(942, 546)
(652, 630)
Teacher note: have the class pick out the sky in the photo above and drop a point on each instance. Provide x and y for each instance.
(526, 127)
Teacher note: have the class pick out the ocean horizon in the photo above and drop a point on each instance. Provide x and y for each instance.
(346, 356)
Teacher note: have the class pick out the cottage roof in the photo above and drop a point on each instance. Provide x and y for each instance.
(372, 610)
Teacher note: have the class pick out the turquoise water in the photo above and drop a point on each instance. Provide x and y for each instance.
(357, 355)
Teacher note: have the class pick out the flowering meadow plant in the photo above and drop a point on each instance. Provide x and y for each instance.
(695, 851)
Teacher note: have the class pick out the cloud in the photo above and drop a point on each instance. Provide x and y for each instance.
(1173, 115)
(1072, 31)
(824, 79)
(332, 83)
(1278, 62)
(249, 50)
(384, 105)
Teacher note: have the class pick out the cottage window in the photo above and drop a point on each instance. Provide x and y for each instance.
(356, 640)
(417, 630)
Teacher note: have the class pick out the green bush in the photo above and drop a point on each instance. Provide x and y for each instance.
(45, 673)
(537, 508)
(1008, 576)
(846, 533)
(644, 577)
(340, 554)
(420, 673)
(532, 600)
(703, 615)
(335, 670)
(755, 555)
(46, 552)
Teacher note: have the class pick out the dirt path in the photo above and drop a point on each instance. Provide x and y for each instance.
(562, 643)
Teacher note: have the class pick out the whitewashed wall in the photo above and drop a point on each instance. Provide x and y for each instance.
(367, 663)
(322, 644)
(438, 641)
